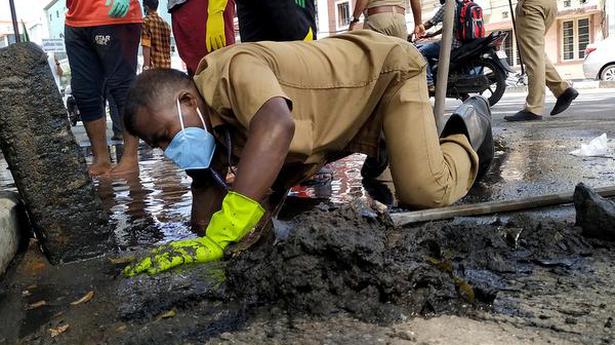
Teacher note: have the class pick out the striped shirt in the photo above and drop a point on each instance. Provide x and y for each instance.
(439, 16)
(156, 35)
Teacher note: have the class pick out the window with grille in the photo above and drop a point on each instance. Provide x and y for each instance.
(575, 38)
(567, 3)
(583, 37)
(568, 36)
(343, 14)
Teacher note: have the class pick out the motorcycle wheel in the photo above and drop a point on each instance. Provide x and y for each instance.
(497, 80)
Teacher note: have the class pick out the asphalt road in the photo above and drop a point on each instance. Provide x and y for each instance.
(533, 157)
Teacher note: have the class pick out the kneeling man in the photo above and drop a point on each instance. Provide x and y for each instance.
(278, 111)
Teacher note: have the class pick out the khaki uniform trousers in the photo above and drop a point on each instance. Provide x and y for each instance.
(534, 18)
(427, 171)
(390, 24)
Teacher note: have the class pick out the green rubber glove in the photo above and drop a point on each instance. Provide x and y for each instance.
(300, 3)
(215, 37)
(237, 217)
(119, 8)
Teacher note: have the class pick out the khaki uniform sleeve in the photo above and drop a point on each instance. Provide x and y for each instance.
(252, 84)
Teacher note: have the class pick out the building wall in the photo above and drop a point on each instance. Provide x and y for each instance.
(498, 17)
(54, 16)
(610, 12)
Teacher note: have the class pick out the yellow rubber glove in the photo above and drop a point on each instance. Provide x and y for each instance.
(215, 37)
(309, 36)
(238, 216)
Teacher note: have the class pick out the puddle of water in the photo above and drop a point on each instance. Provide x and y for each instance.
(155, 207)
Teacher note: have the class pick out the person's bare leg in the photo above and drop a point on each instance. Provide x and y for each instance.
(129, 163)
(97, 133)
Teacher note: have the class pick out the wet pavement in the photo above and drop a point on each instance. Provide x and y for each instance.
(531, 159)
(553, 286)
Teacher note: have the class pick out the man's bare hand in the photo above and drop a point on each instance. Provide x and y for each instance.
(419, 31)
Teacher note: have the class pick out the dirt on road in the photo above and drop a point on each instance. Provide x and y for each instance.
(336, 275)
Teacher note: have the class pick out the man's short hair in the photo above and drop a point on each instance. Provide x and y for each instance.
(151, 4)
(151, 89)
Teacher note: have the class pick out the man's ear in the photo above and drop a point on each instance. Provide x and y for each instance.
(188, 99)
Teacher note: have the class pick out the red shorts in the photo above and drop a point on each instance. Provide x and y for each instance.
(189, 21)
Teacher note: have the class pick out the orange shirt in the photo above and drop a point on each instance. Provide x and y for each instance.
(83, 13)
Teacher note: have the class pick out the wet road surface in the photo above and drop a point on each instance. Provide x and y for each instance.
(531, 159)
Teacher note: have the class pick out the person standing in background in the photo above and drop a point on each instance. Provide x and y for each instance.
(534, 18)
(200, 27)
(155, 38)
(56, 69)
(388, 17)
(102, 41)
(278, 20)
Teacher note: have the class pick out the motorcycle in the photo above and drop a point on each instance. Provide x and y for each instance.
(477, 67)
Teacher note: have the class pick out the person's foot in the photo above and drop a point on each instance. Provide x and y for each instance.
(126, 167)
(98, 169)
(523, 115)
(564, 100)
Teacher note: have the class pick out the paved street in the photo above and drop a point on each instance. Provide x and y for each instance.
(533, 158)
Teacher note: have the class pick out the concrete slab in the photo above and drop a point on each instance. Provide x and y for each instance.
(10, 227)
(45, 161)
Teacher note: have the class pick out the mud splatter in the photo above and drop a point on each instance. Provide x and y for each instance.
(340, 260)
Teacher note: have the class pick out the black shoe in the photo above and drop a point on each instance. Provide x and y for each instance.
(523, 115)
(373, 167)
(564, 100)
(473, 119)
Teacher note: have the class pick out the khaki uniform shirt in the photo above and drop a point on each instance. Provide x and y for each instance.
(377, 3)
(334, 87)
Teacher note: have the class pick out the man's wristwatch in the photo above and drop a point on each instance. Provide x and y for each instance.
(354, 20)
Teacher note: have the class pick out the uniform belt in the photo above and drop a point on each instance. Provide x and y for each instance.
(386, 9)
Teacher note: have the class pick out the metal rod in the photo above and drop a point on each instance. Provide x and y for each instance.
(443, 60)
(514, 28)
(490, 207)
(15, 24)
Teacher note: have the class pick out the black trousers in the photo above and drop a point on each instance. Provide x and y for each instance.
(276, 20)
(102, 59)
